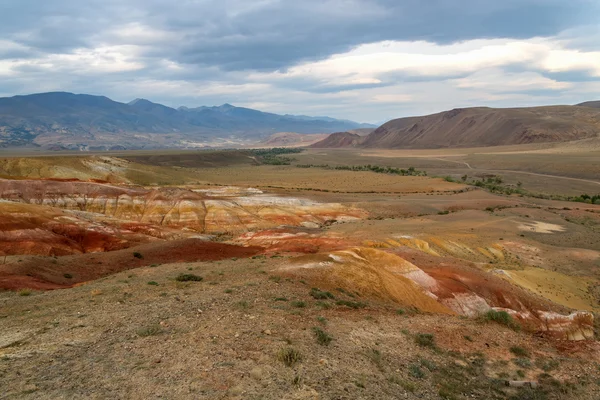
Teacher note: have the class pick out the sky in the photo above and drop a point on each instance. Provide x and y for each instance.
(364, 60)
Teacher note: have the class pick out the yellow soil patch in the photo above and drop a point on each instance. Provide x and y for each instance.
(369, 272)
(569, 291)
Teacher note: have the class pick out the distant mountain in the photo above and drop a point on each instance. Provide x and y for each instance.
(79, 121)
(482, 126)
(594, 104)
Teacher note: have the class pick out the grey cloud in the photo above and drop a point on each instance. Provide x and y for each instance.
(242, 35)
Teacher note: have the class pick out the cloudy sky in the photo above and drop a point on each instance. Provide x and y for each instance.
(366, 60)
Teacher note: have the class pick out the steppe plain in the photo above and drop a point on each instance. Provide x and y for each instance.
(316, 282)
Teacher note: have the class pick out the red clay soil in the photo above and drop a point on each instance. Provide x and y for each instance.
(49, 273)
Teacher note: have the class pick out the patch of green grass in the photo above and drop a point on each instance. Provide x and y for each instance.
(320, 295)
(228, 291)
(522, 362)
(323, 337)
(298, 304)
(242, 305)
(400, 311)
(322, 305)
(151, 330)
(289, 356)
(280, 299)
(519, 351)
(24, 292)
(322, 320)
(547, 365)
(415, 371)
(375, 356)
(502, 318)
(351, 304)
(406, 385)
(153, 283)
(425, 340)
(188, 278)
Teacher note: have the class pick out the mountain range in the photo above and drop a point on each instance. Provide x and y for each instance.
(478, 127)
(61, 120)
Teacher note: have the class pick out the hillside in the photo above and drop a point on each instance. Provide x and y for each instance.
(79, 121)
(340, 139)
(594, 104)
(482, 126)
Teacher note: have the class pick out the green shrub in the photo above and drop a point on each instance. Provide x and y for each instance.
(323, 337)
(519, 351)
(320, 295)
(351, 304)
(68, 276)
(502, 318)
(138, 255)
(289, 356)
(153, 283)
(149, 330)
(188, 278)
(299, 304)
(425, 340)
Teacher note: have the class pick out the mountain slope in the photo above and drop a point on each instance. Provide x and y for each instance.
(340, 139)
(66, 120)
(482, 126)
(594, 104)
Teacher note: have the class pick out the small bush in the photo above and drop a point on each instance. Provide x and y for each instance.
(151, 330)
(242, 305)
(280, 299)
(299, 304)
(519, 351)
(522, 362)
(406, 385)
(351, 304)
(188, 278)
(400, 311)
(138, 255)
(321, 295)
(24, 292)
(153, 283)
(323, 337)
(68, 276)
(375, 356)
(415, 371)
(322, 320)
(289, 356)
(502, 318)
(275, 278)
(425, 340)
(228, 291)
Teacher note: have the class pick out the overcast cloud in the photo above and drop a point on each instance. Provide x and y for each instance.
(367, 60)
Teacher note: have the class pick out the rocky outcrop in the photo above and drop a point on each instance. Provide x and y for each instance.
(444, 288)
(198, 211)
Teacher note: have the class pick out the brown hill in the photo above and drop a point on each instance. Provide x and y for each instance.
(594, 104)
(482, 126)
(340, 139)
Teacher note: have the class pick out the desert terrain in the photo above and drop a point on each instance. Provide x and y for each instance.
(316, 274)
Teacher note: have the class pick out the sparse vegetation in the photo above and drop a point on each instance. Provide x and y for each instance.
(138, 255)
(411, 171)
(68, 276)
(502, 318)
(153, 283)
(351, 304)
(24, 292)
(150, 330)
(289, 356)
(425, 340)
(188, 278)
(298, 304)
(323, 337)
(519, 351)
(321, 295)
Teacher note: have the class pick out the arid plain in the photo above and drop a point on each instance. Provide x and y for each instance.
(346, 274)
